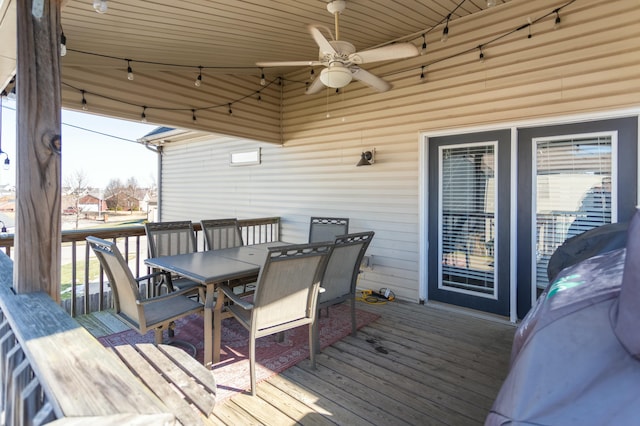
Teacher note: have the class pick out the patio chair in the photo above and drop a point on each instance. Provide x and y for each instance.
(221, 233)
(341, 276)
(155, 313)
(323, 229)
(168, 239)
(225, 233)
(286, 296)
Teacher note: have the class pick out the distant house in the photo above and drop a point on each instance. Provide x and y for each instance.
(124, 201)
(92, 203)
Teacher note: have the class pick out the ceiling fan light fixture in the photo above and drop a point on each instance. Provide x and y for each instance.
(335, 76)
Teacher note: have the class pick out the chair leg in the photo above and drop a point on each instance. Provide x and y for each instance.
(312, 346)
(252, 364)
(158, 336)
(316, 335)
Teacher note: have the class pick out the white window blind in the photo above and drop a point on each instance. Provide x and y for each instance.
(467, 218)
(573, 192)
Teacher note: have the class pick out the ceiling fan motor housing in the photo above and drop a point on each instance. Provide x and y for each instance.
(336, 6)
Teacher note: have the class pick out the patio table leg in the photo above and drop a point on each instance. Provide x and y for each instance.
(208, 332)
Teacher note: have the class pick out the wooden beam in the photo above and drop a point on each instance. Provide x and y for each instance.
(38, 181)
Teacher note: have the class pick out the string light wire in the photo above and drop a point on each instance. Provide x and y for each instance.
(279, 80)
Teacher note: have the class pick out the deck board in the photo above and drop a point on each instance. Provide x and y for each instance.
(415, 365)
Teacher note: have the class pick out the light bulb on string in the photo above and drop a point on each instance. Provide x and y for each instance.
(84, 102)
(481, 57)
(100, 6)
(198, 81)
(422, 77)
(311, 74)
(259, 97)
(445, 31)
(193, 115)
(129, 70)
(230, 110)
(63, 44)
(143, 116)
(424, 44)
(556, 24)
(262, 79)
(491, 3)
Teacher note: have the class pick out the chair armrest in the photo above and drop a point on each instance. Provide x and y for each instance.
(228, 292)
(167, 296)
(146, 277)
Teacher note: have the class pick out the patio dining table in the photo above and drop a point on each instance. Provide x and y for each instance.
(210, 269)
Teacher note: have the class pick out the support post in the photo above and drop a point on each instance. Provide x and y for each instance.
(38, 181)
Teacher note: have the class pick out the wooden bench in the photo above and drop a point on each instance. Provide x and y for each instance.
(183, 384)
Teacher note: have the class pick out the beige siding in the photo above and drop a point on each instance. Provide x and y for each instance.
(591, 64)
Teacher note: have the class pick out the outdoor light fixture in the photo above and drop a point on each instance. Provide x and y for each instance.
(100, 6)
(336, 76)
(367, 158)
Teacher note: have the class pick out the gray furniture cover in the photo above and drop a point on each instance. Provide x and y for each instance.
(576, 355)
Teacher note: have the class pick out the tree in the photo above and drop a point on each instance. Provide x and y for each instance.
(78, 185)
(131, 189)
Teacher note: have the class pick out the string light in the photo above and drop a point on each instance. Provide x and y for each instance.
(491, 3)
(100, 6)
(311, 74)
(230, 110)
(556, 24)
(193, 115)
(279, 80)
(424, 44)
(129, 70)
(143, 116)
(262, 79)
(445, 31)
(481, 54)
(199, 79)
(63, 44)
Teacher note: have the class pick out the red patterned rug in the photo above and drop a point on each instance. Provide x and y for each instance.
(272, 357)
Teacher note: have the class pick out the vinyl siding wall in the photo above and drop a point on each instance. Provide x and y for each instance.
(589, 65)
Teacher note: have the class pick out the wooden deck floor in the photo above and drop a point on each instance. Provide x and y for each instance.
(416, 365)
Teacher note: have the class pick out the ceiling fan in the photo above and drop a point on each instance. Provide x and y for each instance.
(341, 61)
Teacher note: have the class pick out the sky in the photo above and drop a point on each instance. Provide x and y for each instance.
(91, 144)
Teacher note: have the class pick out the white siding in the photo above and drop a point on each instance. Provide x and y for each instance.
(588, 65)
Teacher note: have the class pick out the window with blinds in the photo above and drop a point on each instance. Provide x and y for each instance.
(573, 191)
(467, 218)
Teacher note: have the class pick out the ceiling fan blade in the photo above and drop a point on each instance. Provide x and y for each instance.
(321, 41)
(315, 87)
(289, 64)
(386, 53)
(369, 79)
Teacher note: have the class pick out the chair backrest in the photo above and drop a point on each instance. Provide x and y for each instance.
(123, 284)
(323, 229)
(221, 233)
(288, 284)
(341, 273)
(169, 238)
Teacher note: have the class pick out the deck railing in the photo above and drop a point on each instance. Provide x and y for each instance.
(83, 288)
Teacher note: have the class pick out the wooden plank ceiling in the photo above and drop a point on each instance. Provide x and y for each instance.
(167, 41)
